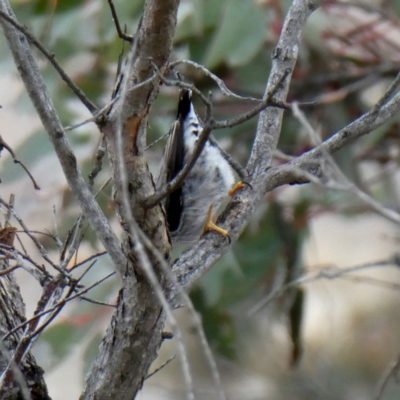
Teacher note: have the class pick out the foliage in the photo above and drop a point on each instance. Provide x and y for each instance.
(235, 40)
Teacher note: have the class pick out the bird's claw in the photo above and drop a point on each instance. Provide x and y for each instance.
(211, 226)
(238, 186)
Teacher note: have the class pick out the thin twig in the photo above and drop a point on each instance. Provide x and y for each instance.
(75, 241)
(21, 243)
(179, 83)
(51, 57)
(11, 202)
(41, 249)
(392, 370)
(60, 303)
(163, 365)
(97, 117)
(386, 96)
(100, 152)
(102, 187)
(87, 260)
(343, 183)
(55, 237)
(98, 302)
(156, 141)
(12, 252)
(215, 78)
(122, 35)
(8, 270)
(209, 124)
(4, 145)
(330, 272)
(367, 123)
(372, 281)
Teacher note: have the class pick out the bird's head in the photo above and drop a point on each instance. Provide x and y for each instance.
(185, 102)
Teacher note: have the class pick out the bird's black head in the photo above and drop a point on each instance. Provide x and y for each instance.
(185, 100)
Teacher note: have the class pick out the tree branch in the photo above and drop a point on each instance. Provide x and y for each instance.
(283, 62)
(209, 125)
(26, 375)
(361, 126)
(44, 106)
(9, 17)
(114, 14)
(196, 261)
(135, 334)
(4, 145)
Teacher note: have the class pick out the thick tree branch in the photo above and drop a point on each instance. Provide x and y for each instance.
(135, 334)
(361, 126)
(284, 59)
(333, 177)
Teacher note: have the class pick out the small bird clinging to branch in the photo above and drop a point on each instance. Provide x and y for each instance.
(189, 208)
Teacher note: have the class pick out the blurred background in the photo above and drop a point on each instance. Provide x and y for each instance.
(285, 312)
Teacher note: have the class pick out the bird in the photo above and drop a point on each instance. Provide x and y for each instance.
(189, 208)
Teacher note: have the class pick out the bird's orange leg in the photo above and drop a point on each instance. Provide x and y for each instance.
(238, 186)
(210, 226)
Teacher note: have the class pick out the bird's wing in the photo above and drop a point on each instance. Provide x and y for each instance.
(171, 165)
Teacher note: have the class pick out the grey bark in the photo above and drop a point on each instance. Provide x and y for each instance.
(135, 334)
(12, 313)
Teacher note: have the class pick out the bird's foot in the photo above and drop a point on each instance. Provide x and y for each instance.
(238, 186)
(211, 226)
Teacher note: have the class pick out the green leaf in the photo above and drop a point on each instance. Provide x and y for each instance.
(198, 16)
(213, 281)
(29, 152)
(257, 253)
(296, 318)
(250, 77)
(218, 324)
(198, 47)
(197, 19)
(45, 6)
(91, 352)
(240, 36)
(62, 337)
(212, 12)
(396, 6)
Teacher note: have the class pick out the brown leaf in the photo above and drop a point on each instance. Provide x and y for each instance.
(7, 236)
